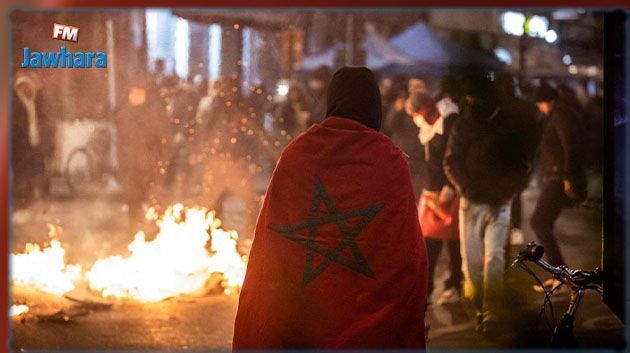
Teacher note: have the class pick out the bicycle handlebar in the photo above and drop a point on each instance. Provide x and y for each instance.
(575, 278)
(533, 252)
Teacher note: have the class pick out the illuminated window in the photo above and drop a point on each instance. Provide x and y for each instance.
(246, 67)
(158, 31)
(214, 51)
(182, 47)
(168, 38)
(252, 44)
(136, 28)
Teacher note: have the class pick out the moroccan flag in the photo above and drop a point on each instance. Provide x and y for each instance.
(338, 259)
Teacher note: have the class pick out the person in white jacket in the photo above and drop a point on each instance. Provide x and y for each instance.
(434, 121)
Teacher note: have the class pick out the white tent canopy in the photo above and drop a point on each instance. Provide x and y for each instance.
(379, 53)
(323, 58)
(417, 50)
(420, 43)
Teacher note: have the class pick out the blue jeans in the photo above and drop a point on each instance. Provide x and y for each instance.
(483, 231)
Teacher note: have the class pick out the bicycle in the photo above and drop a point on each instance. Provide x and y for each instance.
(578, 282)
(87, 165)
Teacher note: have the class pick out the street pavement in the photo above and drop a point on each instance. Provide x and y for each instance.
(97, 227)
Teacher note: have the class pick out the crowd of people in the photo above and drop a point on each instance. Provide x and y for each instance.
(209, 139)
(472, 146)
(472, 149)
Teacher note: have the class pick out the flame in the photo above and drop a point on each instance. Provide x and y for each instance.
(175, 262)
(17, 310)
(44, 269)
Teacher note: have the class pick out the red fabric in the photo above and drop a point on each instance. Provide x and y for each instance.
(378, 304)
(426, 107)
(438, 220)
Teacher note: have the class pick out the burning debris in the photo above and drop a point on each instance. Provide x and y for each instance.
(17, 310)
(175, 262)
(45, 268)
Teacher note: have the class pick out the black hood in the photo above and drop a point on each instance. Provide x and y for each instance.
(353, 94)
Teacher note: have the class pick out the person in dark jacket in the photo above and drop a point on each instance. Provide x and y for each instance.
(140, 129)
(487, 162)
(435, 121)
(292, 115)
(404, 133)
(180, 102)
(32, 144)
(530, 125)
(563, 178)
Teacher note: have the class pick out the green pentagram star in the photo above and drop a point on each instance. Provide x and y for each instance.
(358, 263)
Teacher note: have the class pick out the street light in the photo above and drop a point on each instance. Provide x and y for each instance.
(566, 59)
(551, 36)
(282, 89)
(503, 55)
(537, 26)
(513, 23)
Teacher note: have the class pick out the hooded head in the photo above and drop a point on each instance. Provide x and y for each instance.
(353, 94)
(479, 95)
(450, 88)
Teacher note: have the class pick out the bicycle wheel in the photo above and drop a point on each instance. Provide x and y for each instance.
(79, 171)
